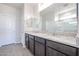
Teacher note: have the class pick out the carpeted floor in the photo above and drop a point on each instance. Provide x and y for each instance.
(14, 50)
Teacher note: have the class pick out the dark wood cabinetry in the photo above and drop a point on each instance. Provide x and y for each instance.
(78, 52)
(40, 40)
(26, 40)
(31, 43)
(39, 46)
(39, 49)
(62, 48)
(43, 47)
(52, 52)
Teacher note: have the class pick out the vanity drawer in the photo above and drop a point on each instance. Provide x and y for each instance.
(31, 36)
(78, 51)
(26, 40)
(52, 52)
(61, 47)
(26, 34)
(39, 49)
(31, 46)
(41, 40)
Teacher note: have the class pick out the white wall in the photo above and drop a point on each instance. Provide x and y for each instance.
(31, 18)
(31, 15)
(19, 24)
(9, 24)
(22, 32)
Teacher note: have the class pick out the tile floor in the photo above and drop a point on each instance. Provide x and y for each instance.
(14, 50)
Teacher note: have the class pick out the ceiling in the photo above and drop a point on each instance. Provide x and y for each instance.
(16, 5)
(20, 5)
(55, 7)
(43, 6)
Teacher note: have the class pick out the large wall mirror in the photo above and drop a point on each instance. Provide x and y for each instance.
(60, 19)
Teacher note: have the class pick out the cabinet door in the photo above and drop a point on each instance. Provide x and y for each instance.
(62, 47)
(31, 45)
(78, 52)
(39, 49)
(39, 39)
(26, 40)
(51, 52)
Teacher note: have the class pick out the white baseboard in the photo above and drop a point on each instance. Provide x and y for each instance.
(17, 42)
(24, 46)
(9, 43)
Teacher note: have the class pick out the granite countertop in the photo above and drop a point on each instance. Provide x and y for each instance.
(61, 39)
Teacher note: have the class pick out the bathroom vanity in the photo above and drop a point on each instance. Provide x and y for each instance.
(41, 45)
(57, 37)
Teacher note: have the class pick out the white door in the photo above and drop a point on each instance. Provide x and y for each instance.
(7, 25)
